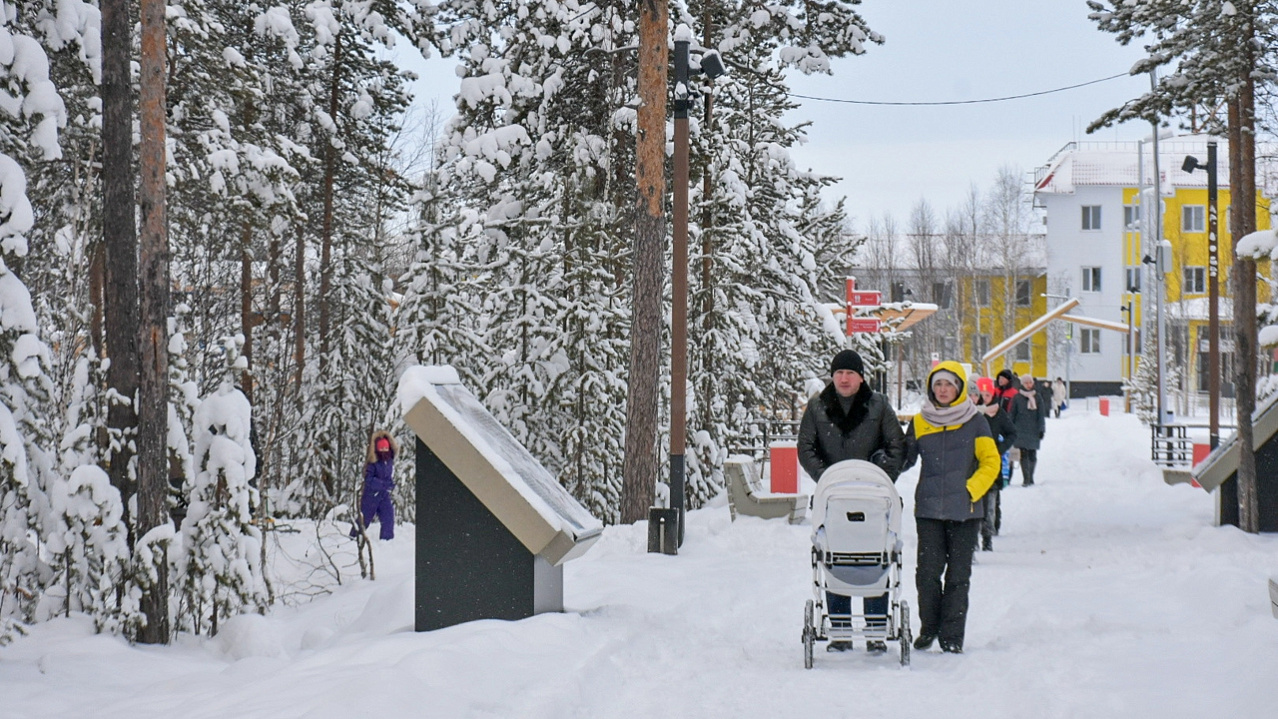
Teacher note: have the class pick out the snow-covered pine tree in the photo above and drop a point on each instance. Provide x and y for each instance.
(29, 124)
(757, 333)
(1144, 385)
(86, 536)
(541, 216)
(219, 571)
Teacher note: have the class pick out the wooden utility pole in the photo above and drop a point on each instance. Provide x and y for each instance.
(153, 394)
(640, 466)
(120, 246)
(1242, 180)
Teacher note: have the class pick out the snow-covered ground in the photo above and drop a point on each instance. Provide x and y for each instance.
(1109, 594)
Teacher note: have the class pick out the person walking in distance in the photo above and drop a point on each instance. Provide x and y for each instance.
(848, 420)
(960, 464)
(1004, 433)
(1029, 419)
(1059, 398)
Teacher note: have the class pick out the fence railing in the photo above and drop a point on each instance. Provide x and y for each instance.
(756, 443)
(1170, 445)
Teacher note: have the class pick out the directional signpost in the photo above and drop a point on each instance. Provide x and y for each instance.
(861, 299)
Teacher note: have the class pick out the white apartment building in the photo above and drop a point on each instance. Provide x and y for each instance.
(1096, 243)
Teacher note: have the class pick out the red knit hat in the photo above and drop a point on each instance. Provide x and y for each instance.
(985, 384)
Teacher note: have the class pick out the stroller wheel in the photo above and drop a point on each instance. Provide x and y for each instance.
(905, 634)
(809, 635)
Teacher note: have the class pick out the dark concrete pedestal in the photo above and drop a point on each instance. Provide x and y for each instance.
(469, 566)
(1266, 488)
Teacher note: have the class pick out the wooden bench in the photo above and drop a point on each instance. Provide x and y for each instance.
(746, 496)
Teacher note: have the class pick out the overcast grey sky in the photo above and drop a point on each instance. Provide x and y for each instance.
(943, 50)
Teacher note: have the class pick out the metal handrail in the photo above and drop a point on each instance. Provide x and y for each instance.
(1170, 445)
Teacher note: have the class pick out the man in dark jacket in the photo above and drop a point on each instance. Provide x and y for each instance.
(1031, 424)
(848, 420)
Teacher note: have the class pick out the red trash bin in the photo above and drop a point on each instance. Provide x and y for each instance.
(784, 458)
(1104, 406)
(1201, 450)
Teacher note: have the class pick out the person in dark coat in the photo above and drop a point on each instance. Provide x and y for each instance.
(1004, 436)
(848, 420)
(1006, 385)
(1043, 389)
(379, 485)
(1031, 424)
(960, 464)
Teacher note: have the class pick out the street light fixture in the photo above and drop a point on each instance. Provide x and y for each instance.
(712, 67)
(1213, 287)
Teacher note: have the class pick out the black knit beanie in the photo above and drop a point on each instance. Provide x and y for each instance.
(847, 359)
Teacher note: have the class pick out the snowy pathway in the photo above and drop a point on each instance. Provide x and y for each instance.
(1109, 595)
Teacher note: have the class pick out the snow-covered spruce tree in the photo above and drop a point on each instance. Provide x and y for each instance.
(86, 537)
(755, 329)
(219, 572)
(541, 216)
(184, 397)
(351, 193)
(436, 323)
(29, 124)
(355, 393)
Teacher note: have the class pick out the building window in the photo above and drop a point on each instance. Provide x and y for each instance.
(941, 292)
(1133, 279)
(1023, 292)
(1089, 340)
(1091, 217)
(1091, 279)
(982, 293)
(1023, 352)
(1131, 217)
(1195, 281)
(1193, 218)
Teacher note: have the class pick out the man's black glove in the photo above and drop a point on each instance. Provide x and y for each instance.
(880, 459)
(1040, 435)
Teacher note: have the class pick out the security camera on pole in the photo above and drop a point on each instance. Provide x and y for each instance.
(712, 66)
(1213, 287)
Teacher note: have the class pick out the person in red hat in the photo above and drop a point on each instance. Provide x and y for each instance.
(376, 501)
(986, 400)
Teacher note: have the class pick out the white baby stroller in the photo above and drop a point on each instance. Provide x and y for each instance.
(856, 552)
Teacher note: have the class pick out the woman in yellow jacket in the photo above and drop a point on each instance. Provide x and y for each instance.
(960, 464)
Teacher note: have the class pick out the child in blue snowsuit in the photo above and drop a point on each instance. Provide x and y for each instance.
(379, 484)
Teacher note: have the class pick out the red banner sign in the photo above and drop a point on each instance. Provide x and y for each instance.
(862, 324)
(865, 298)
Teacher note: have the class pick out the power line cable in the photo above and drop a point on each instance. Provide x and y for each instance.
(962, 102)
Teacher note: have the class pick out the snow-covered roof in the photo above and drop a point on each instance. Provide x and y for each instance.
(494, 466)
(1115, 164)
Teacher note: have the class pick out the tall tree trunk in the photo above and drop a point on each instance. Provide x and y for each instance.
(641, 466)
(299, 311)
(247, 319)
(97, 298)
(120, 246)
(153, 404)
(326, 238)
(1242, 171)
